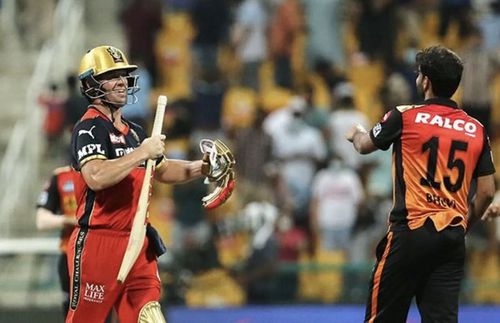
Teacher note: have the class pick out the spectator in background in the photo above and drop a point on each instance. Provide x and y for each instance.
(139, 112)
(208, 94)
(181, 124)
(298, 149)
(315, 116)
(490, 26)
(252, 150)
(343, 114)
(75, 104)
(141, 20)
(458, 11)
(377, 30)
(325, 26)
(286, 24)
(336, 194)
(403, 70)
(249, 38)
(258, 275)
(211, 23)
(480, 68)
(53, 124)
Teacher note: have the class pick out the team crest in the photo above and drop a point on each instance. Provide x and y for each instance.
(116, 139)
(116, 54)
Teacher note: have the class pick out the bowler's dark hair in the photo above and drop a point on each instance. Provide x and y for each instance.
(443, 67)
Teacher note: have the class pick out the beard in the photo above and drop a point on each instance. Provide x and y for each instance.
(420, 90)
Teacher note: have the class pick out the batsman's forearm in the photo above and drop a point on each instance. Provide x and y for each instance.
(179, 171)
(102, 174)
(362, 142)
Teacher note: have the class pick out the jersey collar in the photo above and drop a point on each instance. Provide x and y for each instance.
(93, 112)
(442, 101)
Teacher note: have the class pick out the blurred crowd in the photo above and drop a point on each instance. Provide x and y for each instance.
(281, 81)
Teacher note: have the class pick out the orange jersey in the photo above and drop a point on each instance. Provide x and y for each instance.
(58, 197)
(438, 150)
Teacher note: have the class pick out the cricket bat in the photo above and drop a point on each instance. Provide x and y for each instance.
(138, 232)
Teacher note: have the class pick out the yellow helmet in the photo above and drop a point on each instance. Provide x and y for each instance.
(101, 60)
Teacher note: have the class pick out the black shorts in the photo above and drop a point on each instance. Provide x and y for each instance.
(423, 263)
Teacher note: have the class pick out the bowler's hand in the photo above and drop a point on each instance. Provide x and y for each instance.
(353, 131)
(491, 212)
(153, 147)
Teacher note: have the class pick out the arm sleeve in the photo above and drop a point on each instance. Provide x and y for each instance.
(387, 130)
(49, 198)
(90, 141)
(485, 164)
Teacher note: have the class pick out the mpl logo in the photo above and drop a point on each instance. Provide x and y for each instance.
(90, 149)
(94, 293)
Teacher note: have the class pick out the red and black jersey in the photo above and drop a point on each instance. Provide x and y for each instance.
(58, 196)
(95, 137)
(437, 151)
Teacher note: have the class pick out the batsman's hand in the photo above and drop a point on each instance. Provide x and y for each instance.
(353, 131)
(153, 147)
(493, 211)
(218, 163)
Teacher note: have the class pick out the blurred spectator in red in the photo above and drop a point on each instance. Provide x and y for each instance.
(249, 38)
(53, 124)
(292, 242)
(286, 24)
(141, 20)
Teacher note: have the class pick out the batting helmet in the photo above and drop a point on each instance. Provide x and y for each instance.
(99, 61)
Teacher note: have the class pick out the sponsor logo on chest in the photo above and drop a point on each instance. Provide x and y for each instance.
(123, 151)
(116, 139)
(469, 128)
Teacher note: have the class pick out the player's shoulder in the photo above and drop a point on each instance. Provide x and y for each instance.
(407, 107)
(61, 170)
(471, 118)
(92, 125)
